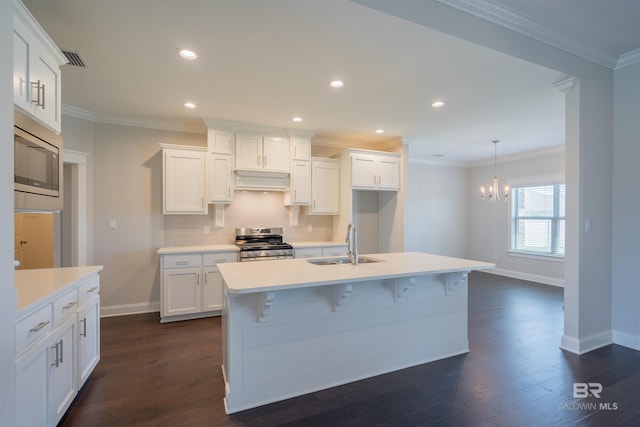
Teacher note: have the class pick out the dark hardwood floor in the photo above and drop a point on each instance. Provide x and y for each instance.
(154, 374)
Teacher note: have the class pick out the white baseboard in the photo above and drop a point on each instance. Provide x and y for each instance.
(126, 309)
(545, 280)
(626, 340)
(586, 344)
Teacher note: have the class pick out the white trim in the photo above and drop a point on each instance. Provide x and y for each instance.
(509, 19)
(629, 58)
(81, 113)
(626, 340)
(79, 161)
(586, 344)
(126, 309)
(528, 181)
(544, 280)
(520, 156)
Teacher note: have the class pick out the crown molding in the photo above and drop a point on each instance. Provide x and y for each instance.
(81, 113)
(505, 18)
(566, 85)
(21, 12)
(520, 156)
(629, 58)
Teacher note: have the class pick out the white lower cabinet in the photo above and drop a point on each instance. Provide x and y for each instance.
(51, 368)
(191, 285)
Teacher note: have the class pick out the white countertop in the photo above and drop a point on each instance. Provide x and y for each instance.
(250, 277)
(34, 285)
(199, 248)
(316, 244)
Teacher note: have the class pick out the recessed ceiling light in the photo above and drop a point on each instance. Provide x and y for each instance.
(438, 104)
(297, 119)
(190, 105)
(187, 54)
(336, 84)
(379, 130)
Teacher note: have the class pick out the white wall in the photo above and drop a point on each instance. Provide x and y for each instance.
(626, 209)
(436, 209)
(489, 223)
(8, 301)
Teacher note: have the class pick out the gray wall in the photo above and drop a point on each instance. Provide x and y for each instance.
(489, 223)
(8, 301)
(626, 209)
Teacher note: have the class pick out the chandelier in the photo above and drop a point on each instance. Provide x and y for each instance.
(493, 194)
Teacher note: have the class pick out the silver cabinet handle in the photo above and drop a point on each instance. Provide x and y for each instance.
(39, 326)
(59, 356)
(92, 289)
(182, 262)
(84, 327)
(71, 304)
(61, 350)
(39, 89)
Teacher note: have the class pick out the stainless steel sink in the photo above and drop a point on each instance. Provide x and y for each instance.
(341, 260)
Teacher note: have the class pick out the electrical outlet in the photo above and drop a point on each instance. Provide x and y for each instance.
(309, 228)
(207, 229)
(113, 224)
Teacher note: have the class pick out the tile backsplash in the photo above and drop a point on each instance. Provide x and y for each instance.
(249, 209)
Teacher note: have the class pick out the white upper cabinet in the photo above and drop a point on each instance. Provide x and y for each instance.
(184, 180)
(375, 171)
(219, 141)
(36, 70)
(325, 187)
(301, 149)
(220, 173)
(300, 184)
(262, 153)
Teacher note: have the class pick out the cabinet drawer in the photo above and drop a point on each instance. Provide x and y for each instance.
(334, 251)
(89, 289)
(65, 306)
(308, 253)
(214, 258)
(181, 261)
(33, 327)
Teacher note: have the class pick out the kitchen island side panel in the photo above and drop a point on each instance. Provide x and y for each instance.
(286, 343)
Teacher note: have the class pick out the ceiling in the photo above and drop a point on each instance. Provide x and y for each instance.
(265, 62)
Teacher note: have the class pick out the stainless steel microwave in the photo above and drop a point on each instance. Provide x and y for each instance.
(37, 166)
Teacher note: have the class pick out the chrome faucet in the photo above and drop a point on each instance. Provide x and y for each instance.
(352, 244)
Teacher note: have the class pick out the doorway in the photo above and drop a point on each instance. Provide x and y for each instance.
(75, 211)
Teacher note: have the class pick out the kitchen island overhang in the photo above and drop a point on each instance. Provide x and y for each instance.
(290, 327)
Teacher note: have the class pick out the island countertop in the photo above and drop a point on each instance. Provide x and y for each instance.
(251, 277)
(34, 285)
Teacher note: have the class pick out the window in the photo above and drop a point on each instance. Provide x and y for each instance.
(538, 220)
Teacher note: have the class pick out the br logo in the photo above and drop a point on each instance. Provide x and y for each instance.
(582, 390)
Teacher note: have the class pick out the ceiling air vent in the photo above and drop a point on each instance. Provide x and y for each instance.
(75, 59)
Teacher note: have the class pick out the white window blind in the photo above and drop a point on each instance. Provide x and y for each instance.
(538, 220)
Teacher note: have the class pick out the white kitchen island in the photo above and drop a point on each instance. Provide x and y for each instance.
(290, 327)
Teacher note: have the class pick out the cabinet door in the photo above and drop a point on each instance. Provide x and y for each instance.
(219, 141)
(88, 339)
(181, 291)
(212, 291)
(21, 48)
(301, 149)
(325, 188)
(32, 371)
(363, 171)
(220, 178)
(308, 253)
(249, 152)
(45, 90)
(62, 365)
(388, 173)
(184, 182)
(300, 185)
(275, 154)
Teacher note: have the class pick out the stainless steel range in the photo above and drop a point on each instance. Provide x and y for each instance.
(262, 244)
